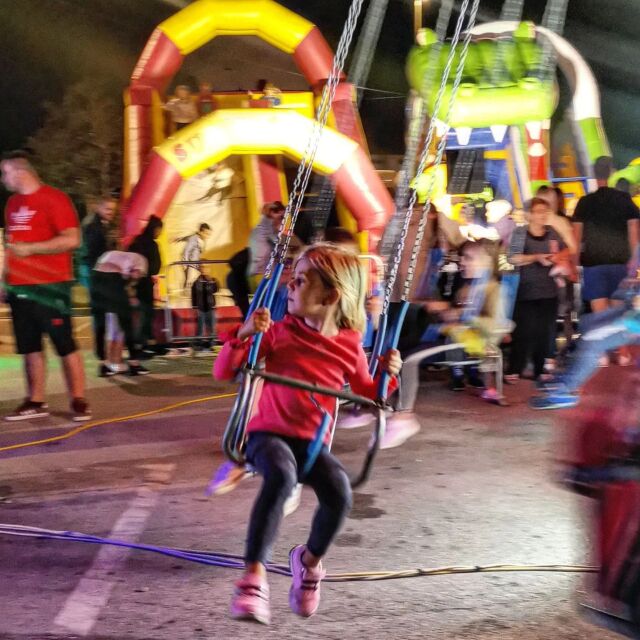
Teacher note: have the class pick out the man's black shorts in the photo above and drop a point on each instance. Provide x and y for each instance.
(32, 319)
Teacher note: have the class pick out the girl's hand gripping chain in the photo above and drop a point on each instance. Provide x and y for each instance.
(258, 322)
(391, 362)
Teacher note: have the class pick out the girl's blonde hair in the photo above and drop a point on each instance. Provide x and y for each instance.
(340, 269)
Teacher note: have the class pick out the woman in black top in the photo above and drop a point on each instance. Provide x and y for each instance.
(536, 309)
(145, 244)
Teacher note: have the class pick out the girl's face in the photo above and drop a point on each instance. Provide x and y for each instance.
(307, 293)
(540, 214)
(474, 261)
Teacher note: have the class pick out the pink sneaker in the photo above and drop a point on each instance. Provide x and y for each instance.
(304, 595)
(251, 599)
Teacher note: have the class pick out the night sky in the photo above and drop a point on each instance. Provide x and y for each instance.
(49, 44)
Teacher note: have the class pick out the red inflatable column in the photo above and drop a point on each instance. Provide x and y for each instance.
(159, 62)
(365, 195)
(151, 196)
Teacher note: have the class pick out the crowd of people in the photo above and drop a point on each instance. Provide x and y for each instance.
(47, 249)
(507, 280)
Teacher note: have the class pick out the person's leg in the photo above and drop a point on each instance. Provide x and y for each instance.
(331, 485)
(114, 341)
(126, 324)
(29, 323)
(73, 368)
(35, 375)
(274, 460)
(590, 347)
(519, 338)
(330, 482)
(567, 315)
(60, 331)
(98, 316)
(144, 290)
(410, 373)
(599, 304)
(207, 329)
(595, 289)
(616, 273)
(543, 331)
(589, 321)
(409, 382)
(115, 351)
(99, 329)
(190, 276)
(200, 328)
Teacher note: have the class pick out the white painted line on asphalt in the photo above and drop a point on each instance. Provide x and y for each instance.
(82, 608)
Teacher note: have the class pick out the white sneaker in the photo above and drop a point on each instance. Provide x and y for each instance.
(293, 501)
(354, 419)
(400, 427)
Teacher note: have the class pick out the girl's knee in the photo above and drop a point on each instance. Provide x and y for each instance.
(343, 495)
(281, 478)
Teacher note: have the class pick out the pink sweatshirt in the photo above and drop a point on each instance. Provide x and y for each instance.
(293, 349)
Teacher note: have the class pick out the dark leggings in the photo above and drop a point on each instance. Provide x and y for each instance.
(278, 460)
(144, 290)
(535, 328)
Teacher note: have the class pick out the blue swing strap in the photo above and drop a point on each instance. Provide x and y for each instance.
(315, 446)
(258, 296)
(386, 338)
(233, 438)
(235, 432)
(269, 294)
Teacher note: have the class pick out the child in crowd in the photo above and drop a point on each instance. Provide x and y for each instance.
(476, 319)
(203, 301)
(182, 108)
(318, 341)
(114, 278)
(206, 101)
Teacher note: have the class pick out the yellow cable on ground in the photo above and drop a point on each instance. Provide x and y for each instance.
(98, 423)
(441, 571)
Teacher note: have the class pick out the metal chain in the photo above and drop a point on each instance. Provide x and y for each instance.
(554, 18)
(306, 165)
(388, 244)
(367, 41)
(512, 10)
(440, 151)
(358, 75)
(395, 264)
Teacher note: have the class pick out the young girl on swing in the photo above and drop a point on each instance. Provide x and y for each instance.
(318, 341)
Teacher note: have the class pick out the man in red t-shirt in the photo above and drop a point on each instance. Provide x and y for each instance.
(41, 232)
